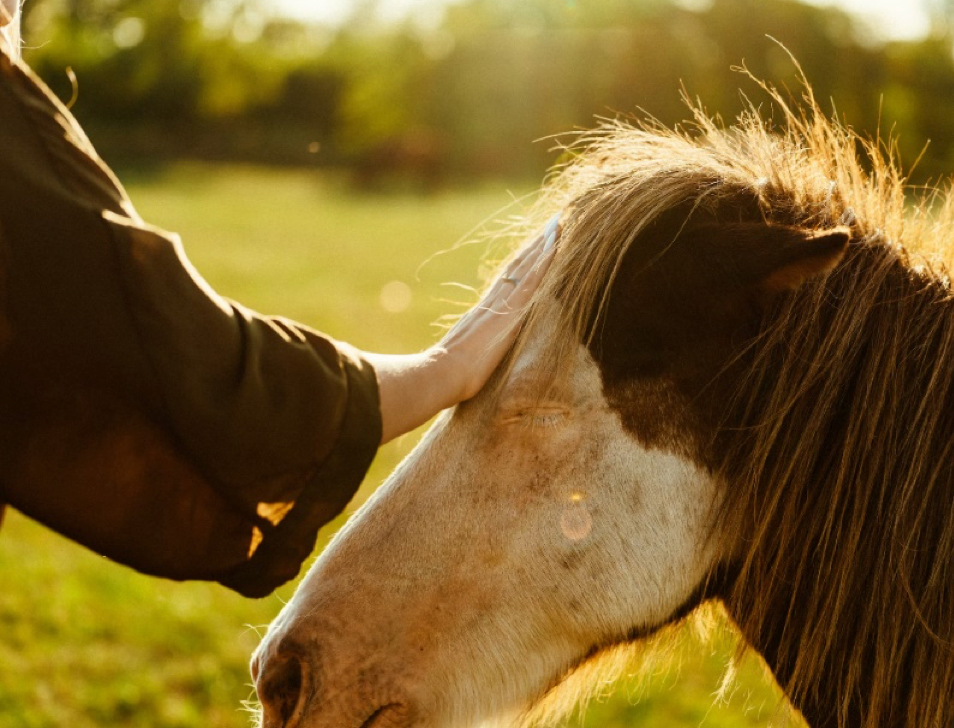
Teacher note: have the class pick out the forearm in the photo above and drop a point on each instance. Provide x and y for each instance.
(413, 388)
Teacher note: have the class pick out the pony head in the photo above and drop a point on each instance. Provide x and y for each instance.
(684, 418)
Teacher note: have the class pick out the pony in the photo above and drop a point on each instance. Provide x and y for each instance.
(735, 386)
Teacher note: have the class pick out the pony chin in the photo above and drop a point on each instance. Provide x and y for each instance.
(587, 681)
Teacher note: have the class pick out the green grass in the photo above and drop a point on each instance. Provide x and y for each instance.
(87, 643)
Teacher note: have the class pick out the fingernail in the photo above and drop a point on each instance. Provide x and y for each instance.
(550, 232)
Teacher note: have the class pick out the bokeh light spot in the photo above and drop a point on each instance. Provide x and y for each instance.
(396, 297)
(129, 32)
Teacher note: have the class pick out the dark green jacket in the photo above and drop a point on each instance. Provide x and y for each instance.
(141, 414)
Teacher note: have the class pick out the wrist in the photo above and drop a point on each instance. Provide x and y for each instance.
(413, 388)
(447, 374)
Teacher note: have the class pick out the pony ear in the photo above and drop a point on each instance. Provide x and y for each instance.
(778, 258)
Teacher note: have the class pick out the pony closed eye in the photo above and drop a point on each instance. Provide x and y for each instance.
(535, 416)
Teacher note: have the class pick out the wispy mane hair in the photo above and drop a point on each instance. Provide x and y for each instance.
(836, 448)
(11, 32)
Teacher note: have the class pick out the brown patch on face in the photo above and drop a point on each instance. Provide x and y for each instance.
(656, 413)
(672, 316)
(689, 296)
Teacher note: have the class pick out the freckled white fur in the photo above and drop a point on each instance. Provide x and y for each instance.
(457, 587)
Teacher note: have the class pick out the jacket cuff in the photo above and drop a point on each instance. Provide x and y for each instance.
(328, 488)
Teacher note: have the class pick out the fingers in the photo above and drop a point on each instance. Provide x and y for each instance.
(481, 338)
(512, 273)
(529, 276)
(543, 243)
(519, 280)
(551, 232)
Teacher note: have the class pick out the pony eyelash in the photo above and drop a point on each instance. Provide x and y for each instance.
(549, 419)
(532, 417)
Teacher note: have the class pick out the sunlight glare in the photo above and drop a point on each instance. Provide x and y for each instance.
(891, 19)
(337, 11)
(576, 521)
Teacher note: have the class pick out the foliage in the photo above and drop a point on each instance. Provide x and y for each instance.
(471, 92)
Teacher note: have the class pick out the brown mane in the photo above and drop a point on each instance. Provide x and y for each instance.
(838, 447)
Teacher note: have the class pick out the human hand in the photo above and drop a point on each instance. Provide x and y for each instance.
(413, 388)
(477, 343)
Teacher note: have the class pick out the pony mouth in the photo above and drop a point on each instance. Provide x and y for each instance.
(387, 716)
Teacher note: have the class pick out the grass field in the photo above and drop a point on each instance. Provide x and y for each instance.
(86, 643)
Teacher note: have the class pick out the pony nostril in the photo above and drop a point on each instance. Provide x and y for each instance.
(280, 691)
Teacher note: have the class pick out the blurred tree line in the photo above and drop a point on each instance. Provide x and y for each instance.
(468, 91)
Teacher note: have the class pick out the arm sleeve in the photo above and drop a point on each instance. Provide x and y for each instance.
(288, 418)
(141, 414)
